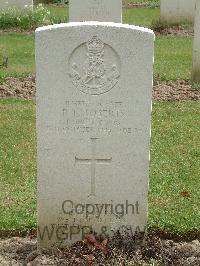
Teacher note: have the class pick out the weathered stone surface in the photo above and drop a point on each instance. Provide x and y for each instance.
(196, 46)
(4, 4)
(95, 10)
(177, 10)
(93, 128)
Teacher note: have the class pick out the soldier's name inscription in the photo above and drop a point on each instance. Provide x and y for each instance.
(103, 117)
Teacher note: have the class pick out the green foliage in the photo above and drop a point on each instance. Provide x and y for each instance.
(153, 4)
(59, 1)
(26, 18)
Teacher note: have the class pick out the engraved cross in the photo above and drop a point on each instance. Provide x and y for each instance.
(93, 161)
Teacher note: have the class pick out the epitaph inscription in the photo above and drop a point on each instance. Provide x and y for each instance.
(94, 67)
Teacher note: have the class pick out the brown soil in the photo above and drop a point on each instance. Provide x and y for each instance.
(17, 30)
(177, 31)
(179, 90)
(17, 87)
(18, 251)
(135, 5)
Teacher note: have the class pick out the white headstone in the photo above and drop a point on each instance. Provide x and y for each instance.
(95, 10)
(93, 129)
(177, 10)
(196, 46)
(5, 4)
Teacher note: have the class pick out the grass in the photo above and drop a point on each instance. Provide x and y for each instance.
(59, 12)
(21, 55)
(17, 165)
(141, 16)
(175, 166)
(19, 47)
(136, 16)
(173, 56)
(52, 15)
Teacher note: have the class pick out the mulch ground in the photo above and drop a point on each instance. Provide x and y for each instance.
(135, 5)
(177, 31)
(179, 90)
(159, 29)
(23, 251)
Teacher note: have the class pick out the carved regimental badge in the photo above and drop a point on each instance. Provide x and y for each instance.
(94, 67)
